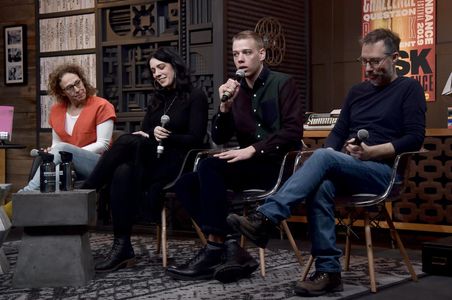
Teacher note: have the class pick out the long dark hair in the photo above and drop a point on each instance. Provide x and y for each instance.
(183, 84)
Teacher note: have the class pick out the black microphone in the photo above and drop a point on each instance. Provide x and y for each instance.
(239, 74)
(361, 136)
(164, 120)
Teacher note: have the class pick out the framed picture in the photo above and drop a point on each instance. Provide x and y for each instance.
(15, 54)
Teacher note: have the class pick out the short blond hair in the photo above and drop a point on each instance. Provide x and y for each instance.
(249, 34)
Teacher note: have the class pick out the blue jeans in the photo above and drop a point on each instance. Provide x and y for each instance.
(83, 160)
(325, 174)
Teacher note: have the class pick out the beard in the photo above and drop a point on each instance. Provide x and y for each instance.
(379, 77)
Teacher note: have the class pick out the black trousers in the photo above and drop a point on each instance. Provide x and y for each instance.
(204, 193)
(135, 177)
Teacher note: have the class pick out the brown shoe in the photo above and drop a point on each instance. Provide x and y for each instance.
(255, 227)
(319, 284)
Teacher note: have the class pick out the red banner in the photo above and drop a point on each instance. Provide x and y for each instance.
(415, 22)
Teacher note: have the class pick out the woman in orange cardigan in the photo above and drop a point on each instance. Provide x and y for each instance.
(81, 122)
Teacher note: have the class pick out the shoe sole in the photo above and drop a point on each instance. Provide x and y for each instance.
(306, 293)
(234, 221)
(232, 273)
(128, 263)
(186, 277)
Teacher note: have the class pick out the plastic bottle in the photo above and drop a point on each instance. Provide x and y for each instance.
(66, 172)
(48, 174)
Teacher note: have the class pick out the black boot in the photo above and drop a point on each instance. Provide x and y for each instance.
(237, 263)
(120, 256)
(255, 227)
(202, 266)
(319, 284)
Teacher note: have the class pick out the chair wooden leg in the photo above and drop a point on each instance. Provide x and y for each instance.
(159, 239)
(242, 241)
(242, 237)
(164, 242)
(199, 233)
(348, 244)
(292, 242)
(402, 250)
(307, 268)
(262, 261)
(370, 253)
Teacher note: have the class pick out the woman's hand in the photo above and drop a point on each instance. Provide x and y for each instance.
(161, 133)
(142, 133)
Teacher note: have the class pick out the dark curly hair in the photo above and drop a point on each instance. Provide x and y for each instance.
(183, 84)
(54, 87)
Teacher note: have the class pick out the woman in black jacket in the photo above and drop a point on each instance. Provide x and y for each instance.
(143, 162)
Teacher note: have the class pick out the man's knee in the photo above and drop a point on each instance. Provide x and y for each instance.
(324, 153)
(208, 165)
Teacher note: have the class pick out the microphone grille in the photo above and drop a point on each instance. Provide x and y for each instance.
(362, 134)
(34, 152)
(164, 119)
(239, 74)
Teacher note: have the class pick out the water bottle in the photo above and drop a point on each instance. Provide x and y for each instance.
(66, 172)
(48, 174)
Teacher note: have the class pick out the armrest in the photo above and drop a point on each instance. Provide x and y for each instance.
(34, 167)
(209, 153)
(188, 165)
(286, 170)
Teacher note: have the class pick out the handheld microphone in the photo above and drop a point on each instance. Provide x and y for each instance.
(164, 120)
(361, 136)
(239, 74)
(36, 152)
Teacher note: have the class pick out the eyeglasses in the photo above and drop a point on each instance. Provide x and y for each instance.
(374, 62)
(71, 87)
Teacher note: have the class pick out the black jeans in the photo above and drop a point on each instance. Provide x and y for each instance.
(204, 193)
(135, 177)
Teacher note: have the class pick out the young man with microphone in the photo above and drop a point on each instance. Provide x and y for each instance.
(263, 110)
(381, 117)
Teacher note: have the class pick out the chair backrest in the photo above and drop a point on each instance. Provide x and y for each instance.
(398, 183)
(285, 171)
(188, 165)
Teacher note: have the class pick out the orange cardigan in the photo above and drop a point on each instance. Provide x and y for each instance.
(96, 111)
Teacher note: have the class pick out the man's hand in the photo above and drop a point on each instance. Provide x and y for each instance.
(232, 88)
(357, 151)
(366, 152)
(236, 155)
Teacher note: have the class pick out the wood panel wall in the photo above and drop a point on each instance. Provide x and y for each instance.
(22, 97)
(335, 31)
(293, 15)
(332, 28)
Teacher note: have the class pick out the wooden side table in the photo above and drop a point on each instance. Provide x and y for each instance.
(3, 148)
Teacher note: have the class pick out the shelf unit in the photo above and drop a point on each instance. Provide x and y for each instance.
(121, 35)
(130, 31)
(67, 33)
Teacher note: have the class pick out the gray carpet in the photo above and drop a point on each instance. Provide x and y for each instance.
(148, 281)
